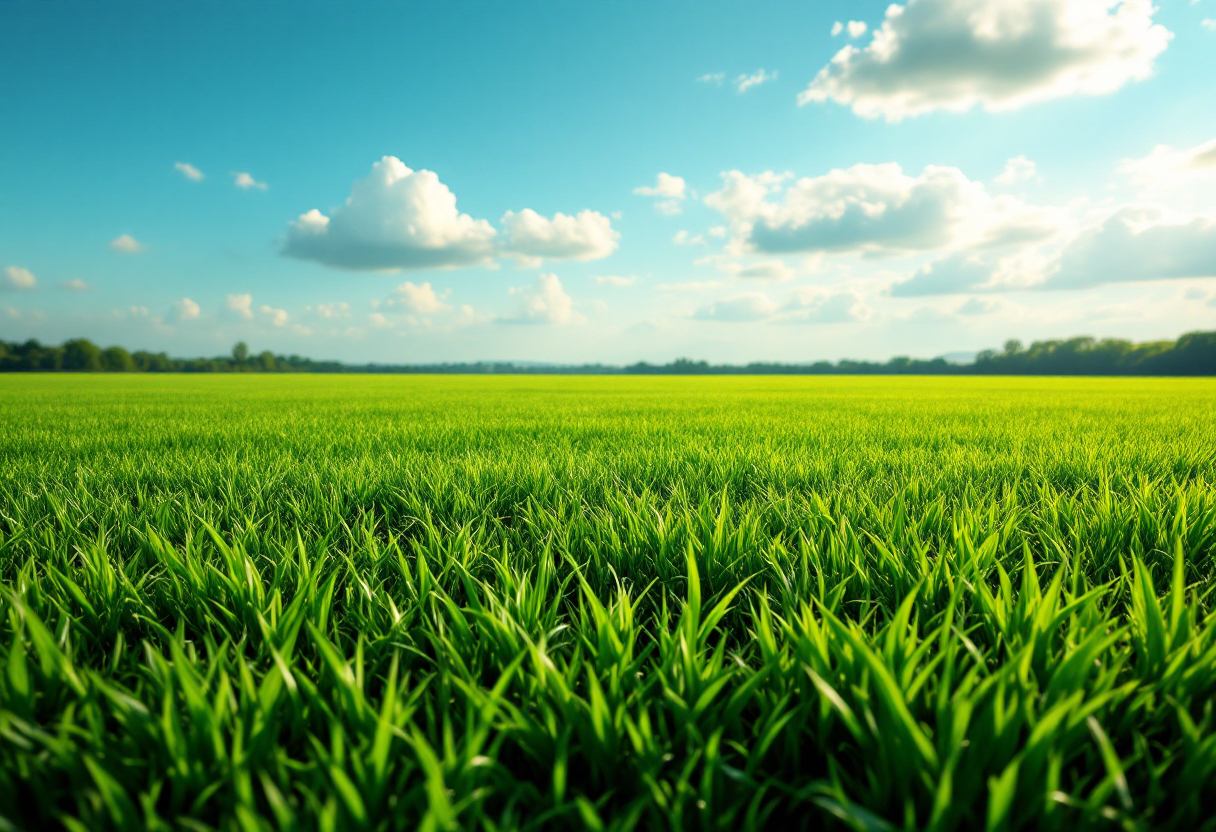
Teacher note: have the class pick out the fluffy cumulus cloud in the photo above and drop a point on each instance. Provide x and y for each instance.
(950, 275)
(240, 305)
(189, 171)
(17, 277)
(246, 182)
(1134, 244)
(75, 285)
(1138, 244)
(185, 310)
(1167, 167)
(1017, 169)
(418, 300)
(126, 244)
(958, 54)
(398, 218)
(545, 303)
(531, 238)
(276, 317)
(668, 190)
(395, 218)
(876, 209)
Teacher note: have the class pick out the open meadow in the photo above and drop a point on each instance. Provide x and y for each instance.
(496, 603)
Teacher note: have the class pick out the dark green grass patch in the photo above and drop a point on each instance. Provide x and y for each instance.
(606, 603)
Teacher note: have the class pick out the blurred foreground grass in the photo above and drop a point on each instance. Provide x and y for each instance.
(249, 603)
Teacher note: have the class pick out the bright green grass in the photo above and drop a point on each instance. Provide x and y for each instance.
(272, 603)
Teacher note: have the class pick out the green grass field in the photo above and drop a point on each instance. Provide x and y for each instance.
(497, 603)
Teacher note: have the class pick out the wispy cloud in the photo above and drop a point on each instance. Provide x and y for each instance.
(745, 82)
(189, 171)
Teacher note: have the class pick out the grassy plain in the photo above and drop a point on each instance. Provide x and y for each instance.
(275, 603)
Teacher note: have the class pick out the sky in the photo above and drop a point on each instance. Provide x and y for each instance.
(606, 182)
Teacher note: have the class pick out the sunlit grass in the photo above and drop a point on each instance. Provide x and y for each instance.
(665, 603)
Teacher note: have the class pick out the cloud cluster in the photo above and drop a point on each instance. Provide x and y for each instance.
(807, 306)
(1166, 167)
(418, 299)
(668, 190)
(958, 54)
(240, 305)
(17, 277)
(531, 238)
(1018, 169)
(544, 303)
(398, 218)
(1135, 243)
(873, 209)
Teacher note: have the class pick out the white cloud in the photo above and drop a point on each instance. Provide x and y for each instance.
(240, 305)
(819, 307)
(856, 28)
(16, 277)
(186, 309)
(1166, 167)
(378, 320)
(244, 181)
(126, 244)
(189, 171)
(950, 275)
(421, 300)
(395, 218)
(341, 309)
(956, 54)
(745, 82)
(837, 28)
(1017, 169)
(713, 78)
(139, 311)
(1209, 24)
(1133, 244)
(1137, 244)
(876, 209)
(278, 317)
(745, 308)
(616, 281)
(666, 186)
(531, 238)
(545, 303)
(683, 238)
(808, 306)
(75, 285)
(669, 190)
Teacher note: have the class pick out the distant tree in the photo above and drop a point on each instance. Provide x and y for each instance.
(266, 361)
(240, 352)
(1013, 346)
(82, 355)
(118, 360)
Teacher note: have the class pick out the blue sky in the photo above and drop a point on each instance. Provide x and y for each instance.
(825, 195)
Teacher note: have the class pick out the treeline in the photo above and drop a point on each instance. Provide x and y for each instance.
(1193, 354)
(83, 356)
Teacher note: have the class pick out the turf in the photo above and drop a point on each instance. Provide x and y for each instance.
(255, 603)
